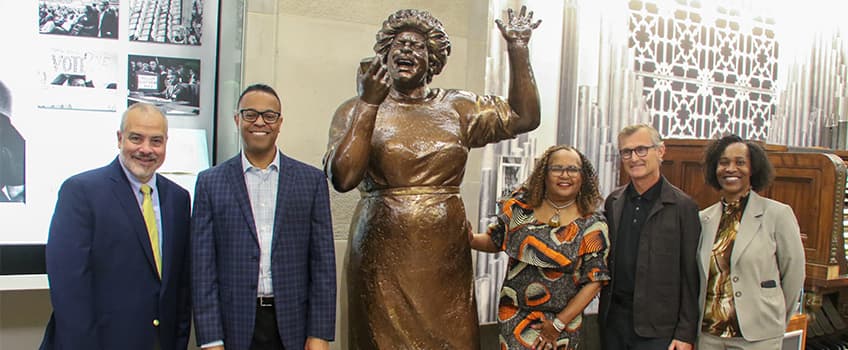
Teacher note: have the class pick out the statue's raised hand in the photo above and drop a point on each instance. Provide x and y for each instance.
(518, 28)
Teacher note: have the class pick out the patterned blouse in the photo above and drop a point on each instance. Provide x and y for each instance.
(547, 267)
(719, 308)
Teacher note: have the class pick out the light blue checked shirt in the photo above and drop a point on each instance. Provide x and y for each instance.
(262, 187)
(262, 191)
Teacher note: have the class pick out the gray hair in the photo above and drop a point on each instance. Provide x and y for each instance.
(143, 108)
(632, 129)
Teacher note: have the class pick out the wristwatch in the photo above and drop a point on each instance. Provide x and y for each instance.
(558, 325)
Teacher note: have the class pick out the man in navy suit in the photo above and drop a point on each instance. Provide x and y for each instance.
(117, 251)
(263, 263)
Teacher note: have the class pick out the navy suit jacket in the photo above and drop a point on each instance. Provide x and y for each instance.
(105, 290)
(225, 253)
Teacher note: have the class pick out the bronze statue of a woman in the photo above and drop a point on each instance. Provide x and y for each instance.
(405, 146)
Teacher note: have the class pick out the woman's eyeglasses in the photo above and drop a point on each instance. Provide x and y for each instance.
(557, 170)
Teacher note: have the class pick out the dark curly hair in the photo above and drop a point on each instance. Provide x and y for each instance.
(762, 173)
(588, 198)
(438, 43)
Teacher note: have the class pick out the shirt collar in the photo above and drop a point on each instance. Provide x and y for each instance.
(245, 164)
(741, 203)
(649, 195)
(135, 183)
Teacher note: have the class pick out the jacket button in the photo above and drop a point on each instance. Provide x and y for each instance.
(738, 294)
(735, 278)
(155, 322)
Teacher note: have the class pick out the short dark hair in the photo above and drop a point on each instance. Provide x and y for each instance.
(259, 87)
(762, 172)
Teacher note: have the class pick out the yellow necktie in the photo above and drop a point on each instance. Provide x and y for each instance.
(152, 230)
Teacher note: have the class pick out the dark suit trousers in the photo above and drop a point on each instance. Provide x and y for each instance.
(265, 333)
(619, 334)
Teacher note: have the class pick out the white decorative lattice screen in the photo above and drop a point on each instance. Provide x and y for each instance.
(706, 71)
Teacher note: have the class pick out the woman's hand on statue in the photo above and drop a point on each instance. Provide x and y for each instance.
(373, 84)
(518, 28)
(548, 336)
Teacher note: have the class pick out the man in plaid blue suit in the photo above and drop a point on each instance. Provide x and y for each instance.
(263, 262)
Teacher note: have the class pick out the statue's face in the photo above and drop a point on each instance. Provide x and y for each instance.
(407, 61)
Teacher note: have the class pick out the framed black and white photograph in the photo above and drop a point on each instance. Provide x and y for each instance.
(510, 175)
(93, 19)
(78, 79)
(172, 84)
(170, 22)
(12, 152)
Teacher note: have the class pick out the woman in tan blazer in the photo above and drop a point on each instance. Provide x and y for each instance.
(751, 259)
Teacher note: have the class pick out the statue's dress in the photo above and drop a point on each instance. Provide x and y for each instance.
(410, 280)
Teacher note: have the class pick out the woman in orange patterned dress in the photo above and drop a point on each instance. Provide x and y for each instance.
(557, 248)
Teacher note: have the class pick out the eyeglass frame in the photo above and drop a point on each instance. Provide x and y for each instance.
(276, 115)
(627, 153)
(571, 170)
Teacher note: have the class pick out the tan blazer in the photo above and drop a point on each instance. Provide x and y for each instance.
(766, 265)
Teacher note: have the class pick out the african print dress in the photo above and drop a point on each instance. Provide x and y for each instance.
(547, 267)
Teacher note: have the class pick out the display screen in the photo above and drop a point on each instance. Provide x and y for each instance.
(69, 71)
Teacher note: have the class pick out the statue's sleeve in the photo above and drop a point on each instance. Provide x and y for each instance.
(338, 128)
(486, 119)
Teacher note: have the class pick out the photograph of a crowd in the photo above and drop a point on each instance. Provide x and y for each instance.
(172, 84)
(166, 21)
(95, 19)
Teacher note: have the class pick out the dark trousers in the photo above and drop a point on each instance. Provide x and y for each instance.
(265, 334)
(618, 332)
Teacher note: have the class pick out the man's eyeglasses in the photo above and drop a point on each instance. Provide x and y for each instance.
(560, 170)
(641, 151)
(250, 115)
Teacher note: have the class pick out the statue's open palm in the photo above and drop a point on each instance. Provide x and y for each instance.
(518, 28)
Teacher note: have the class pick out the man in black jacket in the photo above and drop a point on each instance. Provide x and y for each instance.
(652, 300)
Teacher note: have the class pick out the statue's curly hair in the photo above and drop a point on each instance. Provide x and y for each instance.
(588, 197)
(438, 43)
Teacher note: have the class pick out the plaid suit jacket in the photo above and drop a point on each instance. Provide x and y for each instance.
(225, 253)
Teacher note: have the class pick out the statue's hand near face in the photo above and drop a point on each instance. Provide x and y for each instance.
(517, 30)
(373, 83)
